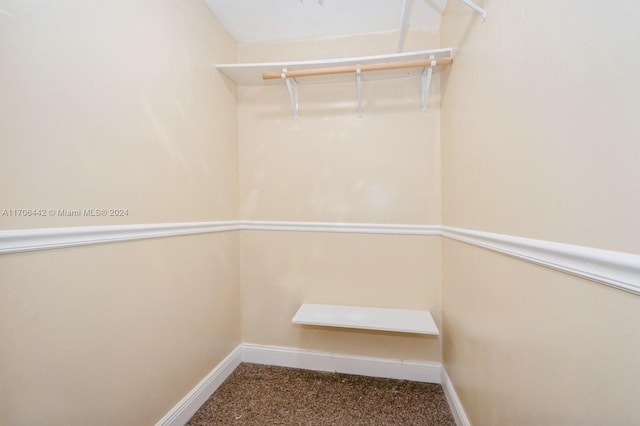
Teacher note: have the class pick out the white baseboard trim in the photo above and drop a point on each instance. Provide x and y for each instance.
(454, 402)
(420, 371)
(613, 268)
(187, 407)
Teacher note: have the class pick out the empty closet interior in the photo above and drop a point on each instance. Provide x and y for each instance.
(443, 191)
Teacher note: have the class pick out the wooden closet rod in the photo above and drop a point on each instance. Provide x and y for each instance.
(353, 68)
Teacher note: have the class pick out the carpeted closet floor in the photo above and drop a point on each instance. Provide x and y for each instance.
(265, 395)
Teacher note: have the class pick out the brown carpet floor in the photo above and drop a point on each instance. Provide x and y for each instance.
(265, 395)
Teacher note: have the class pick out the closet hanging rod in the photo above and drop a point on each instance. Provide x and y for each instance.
(354, 68)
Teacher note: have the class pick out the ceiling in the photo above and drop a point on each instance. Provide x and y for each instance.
(259, 21)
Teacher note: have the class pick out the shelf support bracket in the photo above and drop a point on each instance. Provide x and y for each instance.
(426, 82)
(359, 89)
(477, 8)
(292, 88)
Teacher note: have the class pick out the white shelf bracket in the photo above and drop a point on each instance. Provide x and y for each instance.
(477, 8)
(426, 82)
(359, 89)
(292, 88)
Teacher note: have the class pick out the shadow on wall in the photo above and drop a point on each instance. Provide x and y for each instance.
(357, 342)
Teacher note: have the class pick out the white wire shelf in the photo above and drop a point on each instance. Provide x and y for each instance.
(250, 74)
(420, 63)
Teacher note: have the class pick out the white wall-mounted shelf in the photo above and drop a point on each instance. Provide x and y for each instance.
(381, 319)
(250, 74)
(357, 69)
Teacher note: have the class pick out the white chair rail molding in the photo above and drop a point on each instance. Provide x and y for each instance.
(613, 268)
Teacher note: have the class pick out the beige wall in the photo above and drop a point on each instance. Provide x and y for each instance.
(539, 139)
(114, 333)
(331, 166)
(281, 270)
(115, 106)
(526, 345)
(539, 121)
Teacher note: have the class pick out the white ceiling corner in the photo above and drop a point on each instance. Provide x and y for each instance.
(259, 21)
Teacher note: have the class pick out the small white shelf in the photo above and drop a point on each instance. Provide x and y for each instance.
(382, 319)
(250, 74)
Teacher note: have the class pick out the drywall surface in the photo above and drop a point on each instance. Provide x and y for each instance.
(281, 270)
(115, 106)
(329, 165)
(539, 139)
(114, 333)
(539, 121)
(526, 345)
